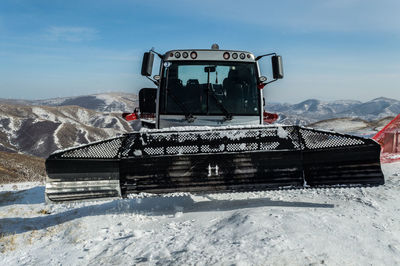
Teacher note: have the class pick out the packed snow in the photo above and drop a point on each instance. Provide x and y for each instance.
(338, 226)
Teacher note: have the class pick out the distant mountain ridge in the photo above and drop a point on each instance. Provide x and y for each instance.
(103, 102)
(312, 110)
(303, 113)
(39, 127)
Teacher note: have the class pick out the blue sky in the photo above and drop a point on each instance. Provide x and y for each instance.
(342, 49)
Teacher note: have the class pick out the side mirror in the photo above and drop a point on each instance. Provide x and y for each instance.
(147, 100)
(147, 64)
(277, 68)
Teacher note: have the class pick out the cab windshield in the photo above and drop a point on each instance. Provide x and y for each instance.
(209, 88)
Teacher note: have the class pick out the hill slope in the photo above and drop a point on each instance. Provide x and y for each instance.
(40, 130)
(16, 167)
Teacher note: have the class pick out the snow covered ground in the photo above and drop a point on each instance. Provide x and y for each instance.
(341, 226)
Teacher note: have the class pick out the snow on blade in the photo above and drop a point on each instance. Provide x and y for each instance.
(282, 133)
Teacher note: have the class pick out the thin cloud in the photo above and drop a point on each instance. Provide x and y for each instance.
(71, 34)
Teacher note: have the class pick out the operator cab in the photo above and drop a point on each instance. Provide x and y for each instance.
(206, 88)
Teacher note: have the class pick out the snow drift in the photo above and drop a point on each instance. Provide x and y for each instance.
(338, 226)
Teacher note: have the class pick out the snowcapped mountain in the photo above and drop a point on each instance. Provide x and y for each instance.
(40, 130)
(377, 108)
(303, 113)
(104, 102)
(353, 126)
(311, 111)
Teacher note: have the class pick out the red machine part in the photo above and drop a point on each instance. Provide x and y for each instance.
(270, 118)
(130, 116)
(136, 116)
(389, 139)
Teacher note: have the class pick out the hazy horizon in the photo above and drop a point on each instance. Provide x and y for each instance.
(123, 92)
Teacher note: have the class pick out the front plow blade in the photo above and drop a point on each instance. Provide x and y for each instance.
(213, 160)
(87, 172)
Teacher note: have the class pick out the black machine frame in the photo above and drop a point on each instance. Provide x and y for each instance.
(218, 160)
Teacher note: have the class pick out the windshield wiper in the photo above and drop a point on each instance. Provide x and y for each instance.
(188, 116)
(228, 116)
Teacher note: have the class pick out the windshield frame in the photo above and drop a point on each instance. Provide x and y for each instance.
(163, 80)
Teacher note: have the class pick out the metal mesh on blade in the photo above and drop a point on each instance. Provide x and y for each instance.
(209, 141)
(319, 139)
(108, 149)
(234, 140)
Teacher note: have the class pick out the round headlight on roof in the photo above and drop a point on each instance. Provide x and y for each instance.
(177, 54)
(242, 56)
(185, 54)
(226, 55)
(193, 55)
(234, 55)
